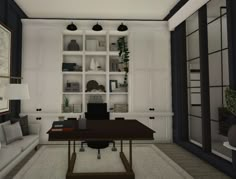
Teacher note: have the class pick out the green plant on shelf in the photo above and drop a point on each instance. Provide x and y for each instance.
(66, 102)
(124, 56)
(230, 98)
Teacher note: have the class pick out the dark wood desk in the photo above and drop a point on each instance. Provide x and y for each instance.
(102, 130)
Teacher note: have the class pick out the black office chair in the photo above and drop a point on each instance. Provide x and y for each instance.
(97, 111)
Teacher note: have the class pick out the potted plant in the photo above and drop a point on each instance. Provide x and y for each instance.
(124, 57)
(226, 116)
(230, 98)
(66, 106)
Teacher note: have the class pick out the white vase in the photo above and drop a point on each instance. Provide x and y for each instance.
(97, 65)
(92, 64)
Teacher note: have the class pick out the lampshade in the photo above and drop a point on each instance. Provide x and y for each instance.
(122, 27)
(97, 27)
(71, 27)
(17, 92)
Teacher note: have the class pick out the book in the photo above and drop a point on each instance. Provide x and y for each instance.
(58, 126)
(57, 129)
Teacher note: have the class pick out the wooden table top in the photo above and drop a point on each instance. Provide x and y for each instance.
(103, 130)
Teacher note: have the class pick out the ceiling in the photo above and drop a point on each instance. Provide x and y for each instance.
(97, 9)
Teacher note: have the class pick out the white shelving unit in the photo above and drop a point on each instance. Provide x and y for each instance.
(99, 47)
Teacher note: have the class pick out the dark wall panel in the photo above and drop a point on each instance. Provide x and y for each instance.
(10, 15)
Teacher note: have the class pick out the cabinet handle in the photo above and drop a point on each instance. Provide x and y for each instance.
(38, 109)
(38, 118)
(152, 118)
(151, 109)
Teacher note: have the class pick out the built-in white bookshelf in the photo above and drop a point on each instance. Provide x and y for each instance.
(93, 56)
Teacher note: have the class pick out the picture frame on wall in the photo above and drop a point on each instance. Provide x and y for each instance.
(113, 85)
(5, 64)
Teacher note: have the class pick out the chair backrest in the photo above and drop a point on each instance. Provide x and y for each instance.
(97, 111)
(97, 108)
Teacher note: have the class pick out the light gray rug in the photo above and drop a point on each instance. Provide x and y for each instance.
(50, 162)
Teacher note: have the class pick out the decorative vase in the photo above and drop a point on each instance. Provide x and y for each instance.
(97, 65)
(232, 135)
(73, 46)
(92, 65)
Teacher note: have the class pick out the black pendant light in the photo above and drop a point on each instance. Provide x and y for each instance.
(71, 27)
(122, 27)
(97, 27)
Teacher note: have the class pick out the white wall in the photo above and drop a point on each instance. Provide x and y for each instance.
(42, 42)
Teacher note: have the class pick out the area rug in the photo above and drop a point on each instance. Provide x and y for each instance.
(50, 162)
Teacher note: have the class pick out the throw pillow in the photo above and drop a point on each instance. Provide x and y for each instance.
(23, 124)
(12, 132)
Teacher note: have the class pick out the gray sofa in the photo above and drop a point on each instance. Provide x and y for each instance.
(11, 154)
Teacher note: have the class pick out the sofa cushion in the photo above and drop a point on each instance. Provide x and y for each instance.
(7, 155)
(23, 124)
(2, 135)
(25, 142)
(12, 132)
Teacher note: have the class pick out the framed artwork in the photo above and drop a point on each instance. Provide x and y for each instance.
(113, 85)
(5, 60)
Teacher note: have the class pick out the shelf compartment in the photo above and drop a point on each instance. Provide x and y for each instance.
(69, 83)
(75, 104)
(72, 63)
(113, 41)
(100, 79)
(119, 103)
(96, 61)
(96, 41)
(67, 39)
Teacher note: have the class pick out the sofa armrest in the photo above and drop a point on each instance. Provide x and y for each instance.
(34, 128)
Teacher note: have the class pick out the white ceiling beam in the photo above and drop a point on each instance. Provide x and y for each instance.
(187, 10)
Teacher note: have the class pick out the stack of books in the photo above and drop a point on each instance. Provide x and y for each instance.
(63, 125)
(57, 126)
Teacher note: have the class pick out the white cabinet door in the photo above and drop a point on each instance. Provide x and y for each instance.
(43, 72)
(150, 49)
(141, 91)
(30, 77)
(162, 125)
(49, 71)
(141, 49)
(160, 91)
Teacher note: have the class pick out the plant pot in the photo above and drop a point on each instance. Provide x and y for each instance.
(226, 120)
(67, 109)
(232, 135)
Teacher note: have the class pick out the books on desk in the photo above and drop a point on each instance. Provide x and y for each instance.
(62, 126)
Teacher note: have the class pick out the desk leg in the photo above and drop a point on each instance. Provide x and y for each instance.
(74, 147)
(130, 154)
(121, 145)
(68, 155)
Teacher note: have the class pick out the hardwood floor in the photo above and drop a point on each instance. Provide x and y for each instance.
(196, 167)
